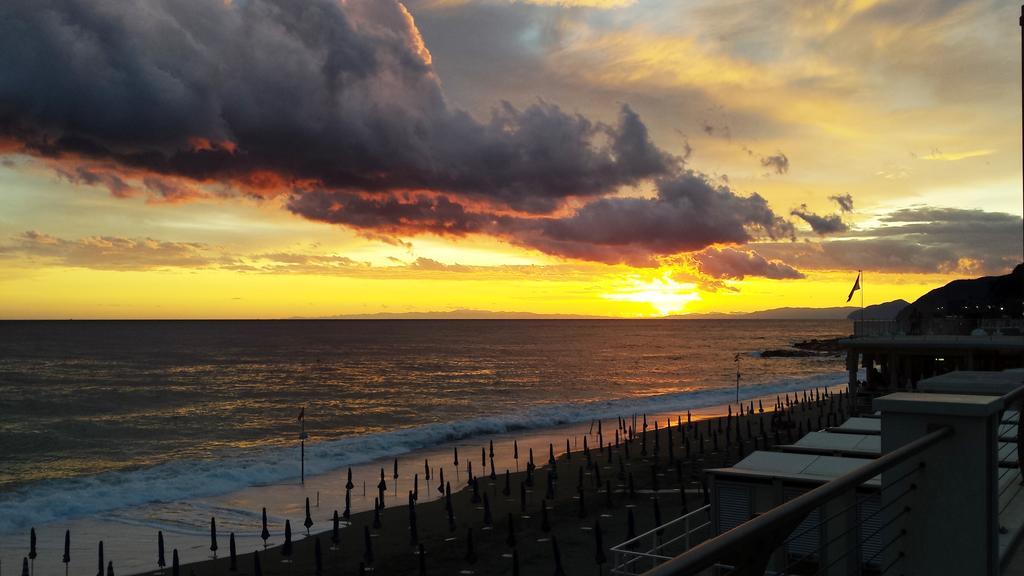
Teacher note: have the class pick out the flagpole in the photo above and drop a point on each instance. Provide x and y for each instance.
(302, 443)
(861, 274)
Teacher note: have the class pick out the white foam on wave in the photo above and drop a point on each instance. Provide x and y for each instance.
(183, 479)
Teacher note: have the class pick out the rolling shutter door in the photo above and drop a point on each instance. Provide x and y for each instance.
(870, 521)
(808, 533)
(733, 505)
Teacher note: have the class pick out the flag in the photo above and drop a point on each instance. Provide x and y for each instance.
(302, 413)
(856, 286)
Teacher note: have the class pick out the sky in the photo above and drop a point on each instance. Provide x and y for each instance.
(628, 158)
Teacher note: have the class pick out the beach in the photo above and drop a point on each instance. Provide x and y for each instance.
(655, 477)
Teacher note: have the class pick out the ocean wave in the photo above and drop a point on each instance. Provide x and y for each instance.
(183, 479)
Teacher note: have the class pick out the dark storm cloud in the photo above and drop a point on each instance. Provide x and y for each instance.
(688, 213)
(822, 225)
(733, 264)
(925, 240)
(338, 106)
(341, 95)
(777, 163)
(845, 202)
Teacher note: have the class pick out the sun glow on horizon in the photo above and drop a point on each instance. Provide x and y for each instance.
(663, 294)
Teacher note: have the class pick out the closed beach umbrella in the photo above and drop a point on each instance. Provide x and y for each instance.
(233, 566)
(551, 454)
(160, 561)
(494, 476)
(309, 519)
(475, 499)
(367, 546)
(416, 487)
(507, 490)
(491, 452)
(110, 568)
(348, 505)
(483, 458)
(349, 485)
(559, 571)
(515, 562)
(423, 561)
(515, 453)
(414, 533)
(510, 539)
(24, 566)
(286, 548)
(599, 556)
(67, 551)
(451, 512)
(440, 485)
(99, 569)
(335, 537)
(213, 536)
(394, 474)
(32, 547)
(175, 566)
(470, 549)
(456, 458)
(545, 523)
(568, 451)
(426, 469)
(318, 558)
(488, 521)
(376, 514)
(265, 534)
(257, 569)
(657, 516)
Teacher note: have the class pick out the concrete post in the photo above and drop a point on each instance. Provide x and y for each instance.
(952, 526)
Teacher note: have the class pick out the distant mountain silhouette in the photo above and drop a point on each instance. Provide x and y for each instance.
(985, 297)
(790, 313)
(883, 311)
(462, 314)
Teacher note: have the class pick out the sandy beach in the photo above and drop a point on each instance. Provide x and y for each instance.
(658, 481)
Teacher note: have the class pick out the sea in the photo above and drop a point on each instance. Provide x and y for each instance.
(151, 424)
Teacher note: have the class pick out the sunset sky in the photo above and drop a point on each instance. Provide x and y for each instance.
(271, 158)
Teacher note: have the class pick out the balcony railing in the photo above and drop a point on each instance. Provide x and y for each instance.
(749, 548)
(937, 327)
(662, 543)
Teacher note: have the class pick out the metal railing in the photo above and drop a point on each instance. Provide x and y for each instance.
(1011, 478)
(748, 548)
(658, 545)
(937, 327)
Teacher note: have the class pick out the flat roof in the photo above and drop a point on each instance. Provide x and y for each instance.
(937, 343)
(973, 382)
(859, 425)
(797, 467)
(866, 445)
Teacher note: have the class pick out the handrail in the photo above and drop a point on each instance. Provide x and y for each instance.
(636, 539)
(710, 552)
(1016, 395)
(1013, 396)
